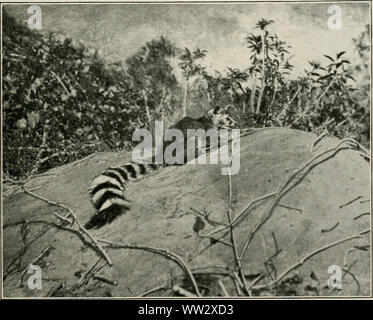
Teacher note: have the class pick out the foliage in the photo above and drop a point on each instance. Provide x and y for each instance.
(151, 75)
(62, 101)
(190, 69)
(362, 71)
(325, 97)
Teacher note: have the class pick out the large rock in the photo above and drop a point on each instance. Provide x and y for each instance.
(315, 212)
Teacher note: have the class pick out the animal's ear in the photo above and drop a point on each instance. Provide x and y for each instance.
(216, 109)
(227, 107)
(213, 111)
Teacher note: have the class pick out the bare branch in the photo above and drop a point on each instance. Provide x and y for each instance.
(309, 256)
(168, 254)
(72, 214)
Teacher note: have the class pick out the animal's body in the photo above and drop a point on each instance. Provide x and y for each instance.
(107, 191)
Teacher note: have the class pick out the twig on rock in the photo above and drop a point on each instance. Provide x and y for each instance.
(158, 288)
(349, 202)
(55, 289)
(35, 261)
(310, 255)
(233, 240)
(103, 279)
(330, 229)
(223, 289)
(319, 138)
(361, 215)
(182, 291)
(72, 214)
(166, 253)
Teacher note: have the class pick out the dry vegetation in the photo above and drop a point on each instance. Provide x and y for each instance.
(61, 101)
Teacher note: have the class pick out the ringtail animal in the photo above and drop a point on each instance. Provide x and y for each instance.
(107, 191)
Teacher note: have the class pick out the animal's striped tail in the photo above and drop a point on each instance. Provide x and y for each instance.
(107, 191)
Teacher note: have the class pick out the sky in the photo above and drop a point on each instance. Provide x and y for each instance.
(119, 30)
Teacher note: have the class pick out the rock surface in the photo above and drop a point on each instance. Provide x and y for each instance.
(321, 206)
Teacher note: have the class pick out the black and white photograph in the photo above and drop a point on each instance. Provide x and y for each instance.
(186, 150)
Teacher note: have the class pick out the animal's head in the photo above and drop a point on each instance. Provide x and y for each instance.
(221, 118)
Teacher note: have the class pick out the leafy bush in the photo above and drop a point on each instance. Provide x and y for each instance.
(327, 96)
(62, 101)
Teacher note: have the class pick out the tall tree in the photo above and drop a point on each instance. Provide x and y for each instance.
(152, 75)
(190, 68)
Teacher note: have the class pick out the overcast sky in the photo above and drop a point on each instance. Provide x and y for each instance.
(120, 30)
